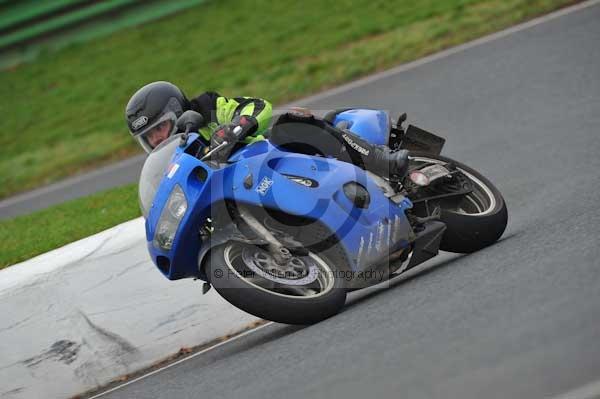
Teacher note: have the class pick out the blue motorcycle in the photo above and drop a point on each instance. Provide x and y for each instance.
(285, 235)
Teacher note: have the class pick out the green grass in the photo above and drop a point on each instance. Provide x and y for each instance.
(63, 113)
(25, 10)
(27, 236)
(61, 21)
(80, 25)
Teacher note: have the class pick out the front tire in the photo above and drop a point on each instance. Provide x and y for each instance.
(238, 281)
(474, 222)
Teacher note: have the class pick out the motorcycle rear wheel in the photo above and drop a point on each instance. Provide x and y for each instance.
(476, 220)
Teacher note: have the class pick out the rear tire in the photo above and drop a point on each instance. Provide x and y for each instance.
(466, 232)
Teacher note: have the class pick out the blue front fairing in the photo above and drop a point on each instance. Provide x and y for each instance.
(365, 234)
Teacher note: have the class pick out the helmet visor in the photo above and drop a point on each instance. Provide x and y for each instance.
(152, 135)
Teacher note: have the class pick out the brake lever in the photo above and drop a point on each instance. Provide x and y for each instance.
(216, 149)
(237, 131)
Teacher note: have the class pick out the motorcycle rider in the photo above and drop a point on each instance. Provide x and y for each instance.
(153, 110)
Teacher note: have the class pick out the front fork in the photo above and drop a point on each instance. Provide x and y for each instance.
(281, 254)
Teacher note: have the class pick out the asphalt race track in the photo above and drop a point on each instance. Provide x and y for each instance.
(520, 319)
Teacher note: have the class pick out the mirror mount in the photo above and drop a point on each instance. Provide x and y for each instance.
(189, 121)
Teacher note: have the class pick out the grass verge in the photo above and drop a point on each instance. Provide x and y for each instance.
(63, 113)
(26, 236)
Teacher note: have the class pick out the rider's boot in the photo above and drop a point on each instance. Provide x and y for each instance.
(378, 159)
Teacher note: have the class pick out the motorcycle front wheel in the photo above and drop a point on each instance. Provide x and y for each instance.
(305, 290)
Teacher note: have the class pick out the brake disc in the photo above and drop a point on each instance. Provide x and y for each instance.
(297, 271)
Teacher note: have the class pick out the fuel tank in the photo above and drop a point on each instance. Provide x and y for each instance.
(371, 124)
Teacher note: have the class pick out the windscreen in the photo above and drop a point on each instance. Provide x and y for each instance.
(153, 171)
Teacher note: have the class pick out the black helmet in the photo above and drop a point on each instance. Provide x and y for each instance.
(151, 105)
